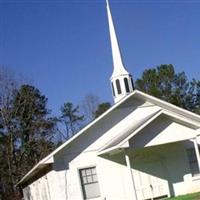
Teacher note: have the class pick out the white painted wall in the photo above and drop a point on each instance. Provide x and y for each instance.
(42, 188)
(113, 174)
(63, 183)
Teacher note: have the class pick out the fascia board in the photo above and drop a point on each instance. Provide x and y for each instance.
(182, 119)
(107, 150)
(162, 103)
(28, 175)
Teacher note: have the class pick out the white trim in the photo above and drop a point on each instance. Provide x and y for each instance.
(169, 105)
(81, 184)
(111, 149)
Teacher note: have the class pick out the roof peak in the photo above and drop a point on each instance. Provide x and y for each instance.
(118, 66)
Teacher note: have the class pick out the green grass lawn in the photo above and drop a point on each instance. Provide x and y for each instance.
(195, 196)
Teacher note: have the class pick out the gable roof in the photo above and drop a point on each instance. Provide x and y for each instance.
(134, 125)
(121, 141)
(135, 94)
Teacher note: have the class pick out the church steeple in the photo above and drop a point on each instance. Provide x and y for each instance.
(121, 80)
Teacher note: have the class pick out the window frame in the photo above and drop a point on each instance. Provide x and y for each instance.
(82, 184)
(113, 89)
(126, 84)
(132, 84)
(119, 89)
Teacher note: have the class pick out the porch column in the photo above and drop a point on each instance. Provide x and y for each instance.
(128, 164)
(197, 152)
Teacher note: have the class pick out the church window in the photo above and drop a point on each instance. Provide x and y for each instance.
(113, 90)
(126, 85)
(132, 83)
(118, 86)
(193, 161)
(89, 182)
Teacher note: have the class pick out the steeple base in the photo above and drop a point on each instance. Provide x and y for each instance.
(122, 85)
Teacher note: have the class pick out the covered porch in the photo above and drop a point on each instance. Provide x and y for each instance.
(161, 157)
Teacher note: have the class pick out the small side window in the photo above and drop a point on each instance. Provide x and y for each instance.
(126, 85)
(118, 86)
(113, 90)
(89, 182)
(132, 83)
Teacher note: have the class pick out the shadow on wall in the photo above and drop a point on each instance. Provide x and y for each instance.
(172, 157)
(167, 162)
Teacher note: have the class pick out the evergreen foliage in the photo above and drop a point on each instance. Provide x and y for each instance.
(102, 107)
(163, 82)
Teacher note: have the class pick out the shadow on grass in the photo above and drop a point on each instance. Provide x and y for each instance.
(194, 196)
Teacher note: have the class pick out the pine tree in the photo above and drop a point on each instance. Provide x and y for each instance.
(163, 82)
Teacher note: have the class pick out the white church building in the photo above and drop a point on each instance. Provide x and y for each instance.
(141, 148)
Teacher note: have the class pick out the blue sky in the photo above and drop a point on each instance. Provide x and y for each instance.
(63, 46)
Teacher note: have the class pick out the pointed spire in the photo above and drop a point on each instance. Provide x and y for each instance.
(117, 59)
(121, 80)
